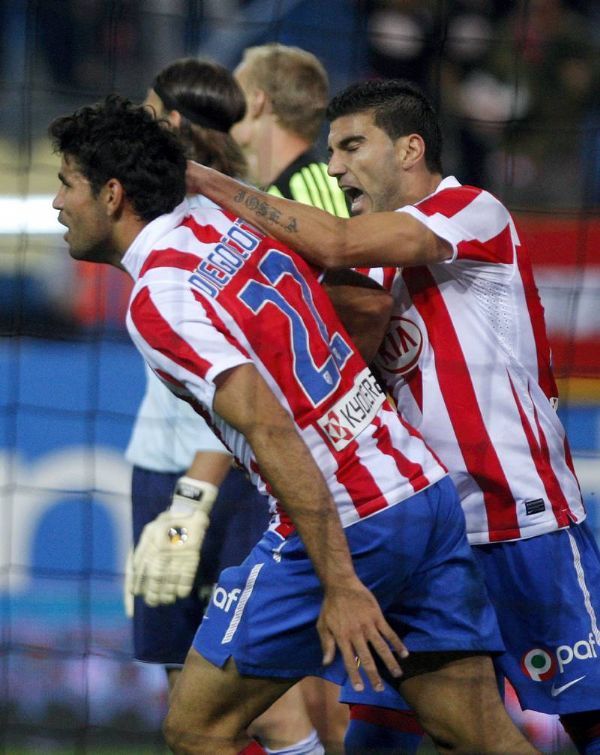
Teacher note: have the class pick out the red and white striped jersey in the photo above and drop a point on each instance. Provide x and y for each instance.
(467, 361)
(211, 293)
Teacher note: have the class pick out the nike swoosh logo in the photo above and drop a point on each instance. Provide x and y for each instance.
(556, 691)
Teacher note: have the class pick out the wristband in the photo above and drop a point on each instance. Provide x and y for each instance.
(191, 495)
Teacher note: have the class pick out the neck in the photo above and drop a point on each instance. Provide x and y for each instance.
(124, 235)
(277, 149)
(423, 185)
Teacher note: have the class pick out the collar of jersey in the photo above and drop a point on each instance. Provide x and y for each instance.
(149, 236)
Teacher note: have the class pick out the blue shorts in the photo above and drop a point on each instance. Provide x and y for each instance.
(546, 592)
(414, 557)
(239, 517)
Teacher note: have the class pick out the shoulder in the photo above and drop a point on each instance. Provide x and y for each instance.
(453, 199)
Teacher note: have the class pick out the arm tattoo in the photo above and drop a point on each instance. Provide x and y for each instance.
(262, 209)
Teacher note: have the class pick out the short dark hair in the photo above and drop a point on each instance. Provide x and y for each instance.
(399, 108)
(117, 139)
(210, 102)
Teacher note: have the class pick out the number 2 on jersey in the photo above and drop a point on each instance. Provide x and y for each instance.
(317, 382)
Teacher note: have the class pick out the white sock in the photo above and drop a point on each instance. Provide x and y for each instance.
(311, 745)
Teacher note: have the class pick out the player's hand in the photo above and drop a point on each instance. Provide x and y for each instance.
(166, 558)
(351, 619)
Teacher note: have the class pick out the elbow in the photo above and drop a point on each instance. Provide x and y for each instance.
(383, 304)
(376, 310)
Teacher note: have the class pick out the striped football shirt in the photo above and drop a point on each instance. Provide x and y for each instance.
(467, 361)
(211, 293)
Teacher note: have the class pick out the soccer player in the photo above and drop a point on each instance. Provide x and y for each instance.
(182, 474)
(467, 360)
(374, 544)
(287, 90)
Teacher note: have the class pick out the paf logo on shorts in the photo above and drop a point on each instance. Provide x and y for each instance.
(401, 348)
(223, 599)
(540, 665)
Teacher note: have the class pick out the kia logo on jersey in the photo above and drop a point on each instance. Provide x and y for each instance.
(401, 348)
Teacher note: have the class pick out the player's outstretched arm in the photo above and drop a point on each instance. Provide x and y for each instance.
(350, 616)
(382, 239)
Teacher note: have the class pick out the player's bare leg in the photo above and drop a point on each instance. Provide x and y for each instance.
(284, 723)
(459, 706)
(211, 708)
(329, 716)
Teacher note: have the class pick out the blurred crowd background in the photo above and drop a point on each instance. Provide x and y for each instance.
(517, 85)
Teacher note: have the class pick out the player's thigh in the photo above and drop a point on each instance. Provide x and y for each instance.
(207, 698)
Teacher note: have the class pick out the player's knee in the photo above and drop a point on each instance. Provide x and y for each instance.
(202, 731)
(174, 730)
(180, 733)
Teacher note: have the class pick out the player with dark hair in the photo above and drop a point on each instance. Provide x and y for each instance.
(467, 361)
(182, 474)
(238, 325)
(203, 103)
(147, 167)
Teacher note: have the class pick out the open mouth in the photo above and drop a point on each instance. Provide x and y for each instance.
(354, 196)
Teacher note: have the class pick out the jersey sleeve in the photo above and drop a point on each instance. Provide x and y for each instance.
(476, 225)
(183, 339)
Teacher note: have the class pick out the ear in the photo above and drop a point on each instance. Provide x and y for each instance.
(257, 103)
(411, 150)
(174, 118)
(113, 196)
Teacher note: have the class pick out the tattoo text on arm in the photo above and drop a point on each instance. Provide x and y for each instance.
(266, 212)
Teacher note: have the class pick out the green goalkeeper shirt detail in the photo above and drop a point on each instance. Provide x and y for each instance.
(306, 180)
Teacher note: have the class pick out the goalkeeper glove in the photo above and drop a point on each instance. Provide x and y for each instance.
(165, 561)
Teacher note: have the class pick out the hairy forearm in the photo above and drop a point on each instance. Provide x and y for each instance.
(375, 240)
(245, 401)
(306, 500)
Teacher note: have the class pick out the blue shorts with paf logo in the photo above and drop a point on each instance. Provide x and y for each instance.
(546, 592)
(413, 556)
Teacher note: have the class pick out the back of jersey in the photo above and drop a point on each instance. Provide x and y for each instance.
(226, 295)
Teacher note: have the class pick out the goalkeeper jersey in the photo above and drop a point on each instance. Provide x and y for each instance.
(467, 360)
(211, 293)
(306, 180)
